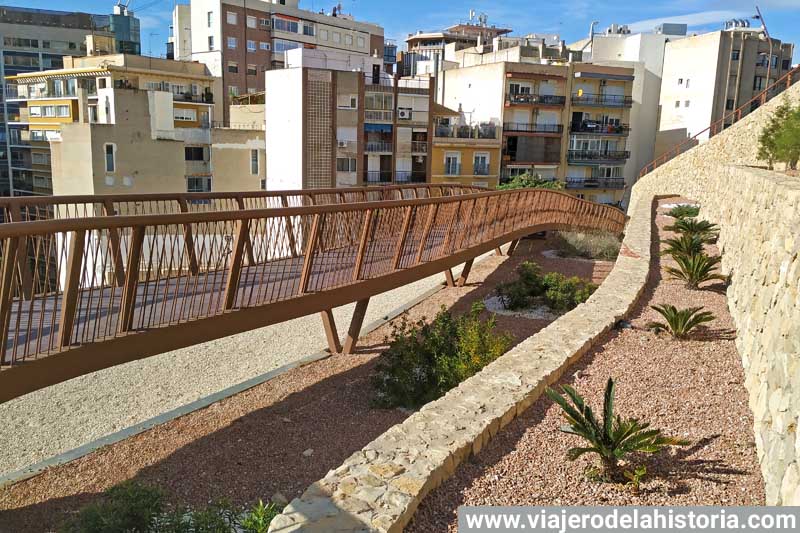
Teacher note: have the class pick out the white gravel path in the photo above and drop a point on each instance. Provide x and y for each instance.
(63, 417)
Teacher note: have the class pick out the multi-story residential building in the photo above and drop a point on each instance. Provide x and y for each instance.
(560, 120)
(708, 76)
(466, 154)
(35, 40)
(241, 39)
(338, 123)
(85, 127)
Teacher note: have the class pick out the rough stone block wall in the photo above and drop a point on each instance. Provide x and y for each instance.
(759, 215)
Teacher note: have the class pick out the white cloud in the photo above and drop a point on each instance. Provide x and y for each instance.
(691, 19)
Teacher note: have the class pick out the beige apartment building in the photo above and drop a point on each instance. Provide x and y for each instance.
(561, 120)
(339, 120)
(125, 124)
(706, 77)
(241, 39)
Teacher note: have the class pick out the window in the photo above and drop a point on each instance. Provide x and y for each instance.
(283, 46)
(323, 35)
(210, 17)
(194, 153)
(758, 83)
(480, 164)
(35, 111)
(233, 67)
(252, 70)
(452, 163)
(184, 115)
(264, 23)
(264, 46)
(210, 42)
(347, 101)
(254, 162)
(378, 101)
(348, 40)
(677, 103)
(21, 43)
(337, 37)
(62, 110)
(39, 158)
(232, 42)
(282, 24)
(735, 55)
(686, 103)
(251, 90)
(198, 184)
(687, 83)
(251, 46)
(308, 29)
(680, 81)
(729, 104)
(111, 156)
(787, 64)
(230, 17)
(345, 164)
(762, 60)
(774, 61)
(233, 90)
(251, 21)
(360, 42)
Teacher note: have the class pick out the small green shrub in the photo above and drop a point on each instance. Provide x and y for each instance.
(702, 229)
(684, 245)
(593, 245)
(611, 438)
(679, 322)
(696, 269)
(684, 211)
(779, 141)
(259, 517)
(425, 360)
(553, 289)
(513, 295)
(531, 181)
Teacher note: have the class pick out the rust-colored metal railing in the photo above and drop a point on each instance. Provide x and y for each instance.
(786, 81)
(106, 290)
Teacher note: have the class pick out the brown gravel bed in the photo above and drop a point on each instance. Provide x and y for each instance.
(250, 446)
(692, 389)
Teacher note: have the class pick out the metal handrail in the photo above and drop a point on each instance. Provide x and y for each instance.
(787, 80)
(106, 290)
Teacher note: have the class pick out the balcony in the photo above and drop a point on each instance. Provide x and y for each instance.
(522, 127)
(597, 128)
(205, 98)
(595, 183)
(480, 169)
(534, 99)
(602, 100)
(452, 169)
(378, 146)
(419, 147)
(481, 131)
(378, 115)
(410, 176)
(597, 156)
(378, 177)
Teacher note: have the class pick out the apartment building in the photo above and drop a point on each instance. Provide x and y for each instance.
(464, 154)
(241, 39)
(36, 40)
(85, 127)
(708, 76)
(338, 123)
(560, 120)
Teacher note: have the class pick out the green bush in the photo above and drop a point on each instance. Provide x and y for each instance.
(679, 322)
(132, 507)
(530, 181)
(702, 229)
(684, 211)
(553, 289)
(686, 244)
(779, 142)
(425, 360)
(591, 245)
(696, 269)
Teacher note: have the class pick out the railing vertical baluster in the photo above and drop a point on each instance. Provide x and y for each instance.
(235, 269)
(308, 260)
(362, 244)
(25, 273)
(188, 239)
(128, 304)
(69, 298)
(401, 240)
(426, 231)
(248, 243)
(7, 285)
(287, 220)
(114, 243)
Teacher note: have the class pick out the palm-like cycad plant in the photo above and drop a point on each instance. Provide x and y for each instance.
(684, 245)
(679, 322)
(684, 211)
(703, 229)
(696, 269)
(611, 438)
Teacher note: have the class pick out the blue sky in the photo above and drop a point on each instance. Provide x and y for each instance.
(570, 18)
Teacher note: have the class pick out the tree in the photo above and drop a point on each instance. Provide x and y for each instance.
(530, 181)
(780, 140)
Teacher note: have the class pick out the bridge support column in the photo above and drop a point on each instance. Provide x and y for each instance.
(355, 326)
(334, 346)
(448, 278)
(512, 247)
(462, 279)
(498, 251)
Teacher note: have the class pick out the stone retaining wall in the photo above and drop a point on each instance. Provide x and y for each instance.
(379, 487)
(759, 215)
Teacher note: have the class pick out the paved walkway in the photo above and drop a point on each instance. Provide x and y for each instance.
(63, 417)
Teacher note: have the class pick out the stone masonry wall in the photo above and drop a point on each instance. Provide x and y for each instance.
(759, 215)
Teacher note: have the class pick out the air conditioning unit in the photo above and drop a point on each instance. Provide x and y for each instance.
(342, 144)
(404, 114)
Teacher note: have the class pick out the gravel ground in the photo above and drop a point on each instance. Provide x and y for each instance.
(251, 445)
(692, 389)
(63, 417)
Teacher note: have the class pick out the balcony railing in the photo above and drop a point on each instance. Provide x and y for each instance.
(540, 99)
(480, 169)
(420, 147)
(481, 131)
(378, 177)
(410, 176)
(380, 116)
(606, 100)
(205, 98)
(595, 183)
(509, 127)
(377, 146)
(600, 129)
(452, 169)
(598, 155)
